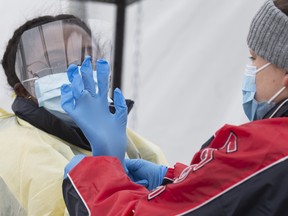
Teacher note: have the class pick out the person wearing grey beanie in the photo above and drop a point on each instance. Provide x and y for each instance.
(240, 171)
(265, 82)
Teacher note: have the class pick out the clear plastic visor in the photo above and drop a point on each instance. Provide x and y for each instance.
(50, 49)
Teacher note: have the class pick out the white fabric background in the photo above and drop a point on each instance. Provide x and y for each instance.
(183, 65)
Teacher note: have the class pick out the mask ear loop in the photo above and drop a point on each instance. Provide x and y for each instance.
(271, 116)
(277, 94)
(263, 67)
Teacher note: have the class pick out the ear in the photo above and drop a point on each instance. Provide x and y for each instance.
(285, 80)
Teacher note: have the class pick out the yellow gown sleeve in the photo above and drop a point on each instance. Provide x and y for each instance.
(147, 150)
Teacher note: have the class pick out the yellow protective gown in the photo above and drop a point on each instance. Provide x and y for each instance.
(32, 164)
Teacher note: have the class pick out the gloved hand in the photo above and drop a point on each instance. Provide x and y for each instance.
(106, 132)
(145, 172)
(72, 163)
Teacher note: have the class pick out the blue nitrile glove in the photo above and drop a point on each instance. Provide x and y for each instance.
(106, 132)
(145, 173)
(72, 163)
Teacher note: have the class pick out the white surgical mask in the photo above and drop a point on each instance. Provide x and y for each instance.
(253, 109)
(48, 93)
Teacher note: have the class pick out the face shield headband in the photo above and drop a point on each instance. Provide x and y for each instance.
(50, 48)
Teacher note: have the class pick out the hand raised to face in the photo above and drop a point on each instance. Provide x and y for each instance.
(89, 108)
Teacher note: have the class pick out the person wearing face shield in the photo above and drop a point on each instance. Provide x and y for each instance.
(40, 138)
(240, 170)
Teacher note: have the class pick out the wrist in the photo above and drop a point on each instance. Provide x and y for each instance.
(163, 171)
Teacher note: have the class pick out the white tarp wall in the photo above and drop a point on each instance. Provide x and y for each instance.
(183, 65)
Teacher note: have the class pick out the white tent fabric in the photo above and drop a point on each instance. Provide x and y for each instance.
(183, 66)
(192, 57)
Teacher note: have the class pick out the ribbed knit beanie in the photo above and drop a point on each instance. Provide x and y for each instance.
(268, 35)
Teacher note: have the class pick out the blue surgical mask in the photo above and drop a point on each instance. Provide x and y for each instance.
(253, 109)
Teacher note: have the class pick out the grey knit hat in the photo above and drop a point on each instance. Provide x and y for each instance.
(268, 35)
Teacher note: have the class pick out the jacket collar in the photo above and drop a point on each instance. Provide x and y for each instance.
(280, 110)
(44, 120)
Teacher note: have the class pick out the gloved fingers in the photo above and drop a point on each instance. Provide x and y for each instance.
(87, 76)
(67, 99)
(70, 71)
(133, 164)
(76, 81)
(120, 105)
(103, 70)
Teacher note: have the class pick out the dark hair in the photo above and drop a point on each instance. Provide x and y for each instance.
(282, 5)
(9, 57)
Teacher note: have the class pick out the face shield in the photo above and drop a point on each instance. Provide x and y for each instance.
(50, 48)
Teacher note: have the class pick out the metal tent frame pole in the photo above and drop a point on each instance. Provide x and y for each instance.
(119, 38)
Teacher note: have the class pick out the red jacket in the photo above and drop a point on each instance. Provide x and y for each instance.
(242, 171)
